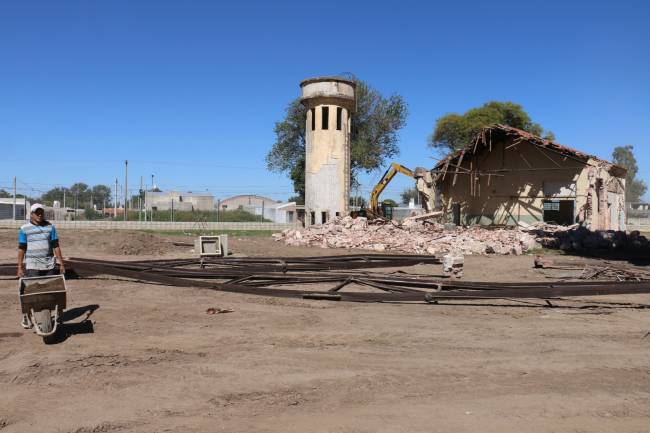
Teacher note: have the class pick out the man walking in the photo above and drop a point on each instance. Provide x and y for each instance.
(38, 245)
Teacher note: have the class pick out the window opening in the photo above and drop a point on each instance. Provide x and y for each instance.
(323, 217)
(325, 117)
(313, 218)
(313, 119)
(339, 113)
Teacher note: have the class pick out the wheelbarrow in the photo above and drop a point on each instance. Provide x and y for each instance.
(43, 299)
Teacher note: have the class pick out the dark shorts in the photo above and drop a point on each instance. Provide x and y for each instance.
(41, 273)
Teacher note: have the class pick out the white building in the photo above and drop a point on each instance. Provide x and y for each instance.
(283, 213)
(183, 201)
(7, 208)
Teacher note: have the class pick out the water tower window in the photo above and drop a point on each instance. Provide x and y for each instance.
(313, 119)
(325, 117)
(339, 114)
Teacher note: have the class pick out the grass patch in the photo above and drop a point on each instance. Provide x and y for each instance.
(241, 233)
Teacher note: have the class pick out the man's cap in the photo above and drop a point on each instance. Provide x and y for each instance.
(37, 206)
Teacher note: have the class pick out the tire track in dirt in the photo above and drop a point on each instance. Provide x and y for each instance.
(94, 365)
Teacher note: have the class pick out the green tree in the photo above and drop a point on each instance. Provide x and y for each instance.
(408, 194)
(454, 131)
(56, 193)
(101, 194)
(634, 188)
(79, 194)
(92, 214)
(374, 136)
(4, 194)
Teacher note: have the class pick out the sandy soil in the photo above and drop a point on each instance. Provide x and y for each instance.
(147, 358)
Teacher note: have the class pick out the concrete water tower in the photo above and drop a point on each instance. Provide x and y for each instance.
(330, 102)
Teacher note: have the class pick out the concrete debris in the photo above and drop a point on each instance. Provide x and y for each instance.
(425, 216)
(578, 238)
(452, 265)
(414, 237)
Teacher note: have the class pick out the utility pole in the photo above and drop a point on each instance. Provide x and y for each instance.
(126, 189)
(15, 200)
(218, 206)
(115, 202)
(145, 200)
(152, 196)
(140, 201)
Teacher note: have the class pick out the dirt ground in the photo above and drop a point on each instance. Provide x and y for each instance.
(147, 358)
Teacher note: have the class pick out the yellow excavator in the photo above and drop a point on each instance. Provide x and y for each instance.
(423, 184)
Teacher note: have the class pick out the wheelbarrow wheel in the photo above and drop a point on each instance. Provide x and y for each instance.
(51, 339)
(43, 321)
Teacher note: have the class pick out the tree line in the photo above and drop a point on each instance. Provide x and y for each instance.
(375, 136)
(79, 195)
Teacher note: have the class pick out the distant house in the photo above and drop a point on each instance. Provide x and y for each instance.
(111, 211)
(246, 201)
(279, 212)
(7, 208)
(183, 201)
(276, 211)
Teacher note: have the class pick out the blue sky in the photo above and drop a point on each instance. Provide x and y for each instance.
(189, 91)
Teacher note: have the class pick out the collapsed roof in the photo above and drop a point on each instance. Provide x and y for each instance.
(497, 133)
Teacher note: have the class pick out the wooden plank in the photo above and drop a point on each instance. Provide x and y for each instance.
(460, 162)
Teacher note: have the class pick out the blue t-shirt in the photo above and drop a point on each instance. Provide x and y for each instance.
(38, 239)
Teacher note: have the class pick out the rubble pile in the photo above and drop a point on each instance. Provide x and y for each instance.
(414, 237)
(579, 238)
(452, 265)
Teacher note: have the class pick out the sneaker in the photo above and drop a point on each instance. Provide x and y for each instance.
(26, 323)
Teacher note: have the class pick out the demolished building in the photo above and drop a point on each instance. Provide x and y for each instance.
(508, 176)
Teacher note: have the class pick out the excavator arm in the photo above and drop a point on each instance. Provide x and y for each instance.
(384, 181)
(423, 184)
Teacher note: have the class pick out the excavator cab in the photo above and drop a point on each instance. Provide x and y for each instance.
(387, 210)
